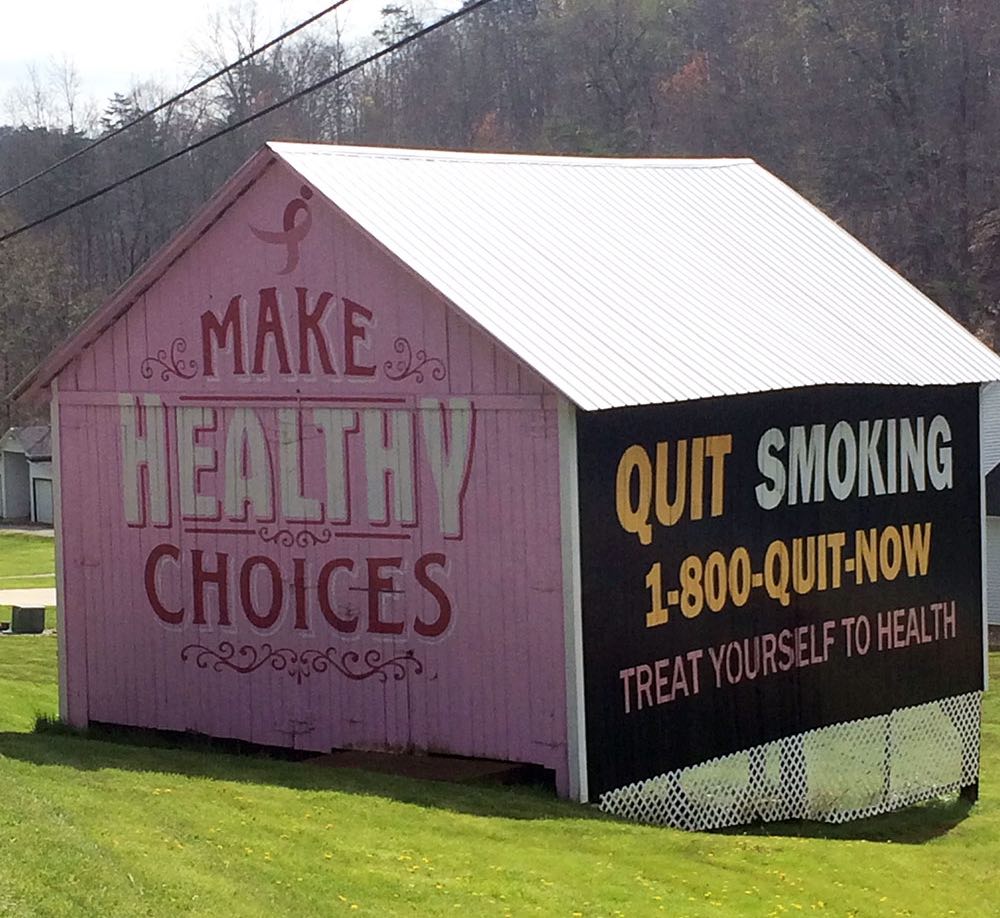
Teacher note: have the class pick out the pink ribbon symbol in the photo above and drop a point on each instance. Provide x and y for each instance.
(294, 230)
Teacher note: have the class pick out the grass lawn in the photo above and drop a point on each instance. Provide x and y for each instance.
(27, 562)
(93, 827)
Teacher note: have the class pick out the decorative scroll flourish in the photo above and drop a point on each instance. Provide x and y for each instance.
(301, 665)
(410, 364)
(303, 538)
(169, 363)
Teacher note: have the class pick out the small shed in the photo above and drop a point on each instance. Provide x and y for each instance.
(26, 474)
(991, 466)
(643, 471)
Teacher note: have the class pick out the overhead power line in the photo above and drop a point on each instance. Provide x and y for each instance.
(172, 100)
(294, 97)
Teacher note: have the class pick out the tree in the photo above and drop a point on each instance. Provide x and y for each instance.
(39, 305)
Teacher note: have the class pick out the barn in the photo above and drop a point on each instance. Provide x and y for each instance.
(642, 471)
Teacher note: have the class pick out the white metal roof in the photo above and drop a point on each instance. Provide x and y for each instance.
(629, 282)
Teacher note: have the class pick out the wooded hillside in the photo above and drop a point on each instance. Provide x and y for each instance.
(883, 112)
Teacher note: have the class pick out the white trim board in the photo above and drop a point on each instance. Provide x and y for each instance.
(569, 512)
(60, 580)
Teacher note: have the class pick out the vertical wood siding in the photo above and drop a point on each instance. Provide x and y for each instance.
(492, 684)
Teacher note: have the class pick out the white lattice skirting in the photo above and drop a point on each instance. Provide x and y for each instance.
(833, 774)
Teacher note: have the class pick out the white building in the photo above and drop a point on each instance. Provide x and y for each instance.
(26, 474)
(990, 426)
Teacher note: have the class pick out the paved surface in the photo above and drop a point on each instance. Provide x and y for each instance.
(37, 597)
(23, 530)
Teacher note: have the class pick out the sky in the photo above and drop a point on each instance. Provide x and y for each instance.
(115, 44)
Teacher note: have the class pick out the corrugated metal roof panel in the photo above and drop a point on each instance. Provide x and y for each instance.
(629, 282)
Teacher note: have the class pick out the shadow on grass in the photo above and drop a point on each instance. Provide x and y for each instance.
(110, 748)
(914, 825)
(194, 756)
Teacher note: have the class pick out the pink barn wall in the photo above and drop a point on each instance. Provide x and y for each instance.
(442, 628)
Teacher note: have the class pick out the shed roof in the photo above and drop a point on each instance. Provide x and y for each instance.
(638, 281)
(630, 282)
(35, 442)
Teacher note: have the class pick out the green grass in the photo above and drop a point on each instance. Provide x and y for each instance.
(27, 562)
(93, 827)
(22, 556)
(98, 827)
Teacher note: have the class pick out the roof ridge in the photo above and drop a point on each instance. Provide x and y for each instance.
(507, 158)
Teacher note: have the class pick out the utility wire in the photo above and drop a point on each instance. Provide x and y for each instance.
(294, 97)
(173, 99)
